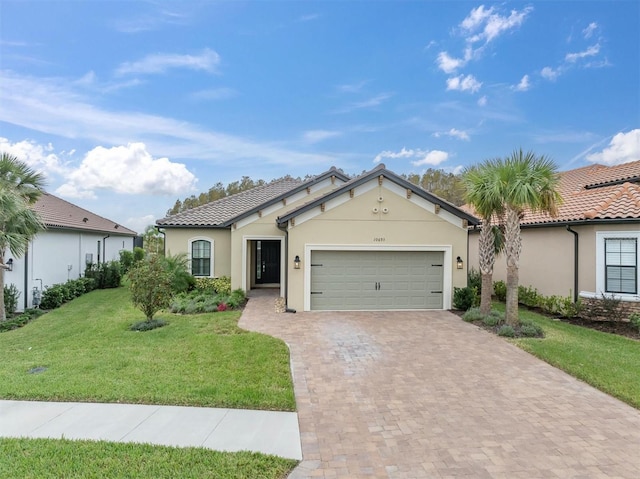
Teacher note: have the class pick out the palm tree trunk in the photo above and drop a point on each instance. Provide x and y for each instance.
(3, 314)
(487, 259)
(513, 246)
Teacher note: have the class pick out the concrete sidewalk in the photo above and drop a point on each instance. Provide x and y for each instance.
(268, 432)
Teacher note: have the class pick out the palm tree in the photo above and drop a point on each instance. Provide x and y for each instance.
(478, 181)
(20, 187)
(521, 182)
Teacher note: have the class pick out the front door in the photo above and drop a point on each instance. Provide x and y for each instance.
(267, 254)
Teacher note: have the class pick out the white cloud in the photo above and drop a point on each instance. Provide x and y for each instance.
(624, 147)
(352, 87)
(57, 107)
(309, 17)
(524, 84)
(454, 133)
(40, 158)
(448, 64)
(433, 157)
(369, 103)
(464, 83)
(140, 223)
(490, 25)
(549, 73)
(127, 170)
(421, 157)
(315, 136)
(593, 50)
(207, 61)
(590, 30)
(482, 101)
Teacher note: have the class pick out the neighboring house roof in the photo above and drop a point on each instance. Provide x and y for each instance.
(58, 213)
(595, 192)
(225, 211)
(380, 170)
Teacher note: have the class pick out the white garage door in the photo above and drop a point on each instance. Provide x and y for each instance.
(374, 280)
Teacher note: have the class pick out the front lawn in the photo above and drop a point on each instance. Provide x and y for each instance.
(87, 353)
(606, 361)
(48, 458)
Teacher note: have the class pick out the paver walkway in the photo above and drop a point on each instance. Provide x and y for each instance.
(425, 395)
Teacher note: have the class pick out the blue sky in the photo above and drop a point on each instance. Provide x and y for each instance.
(128, 106)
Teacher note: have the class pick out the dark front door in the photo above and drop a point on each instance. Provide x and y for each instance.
(267, 254)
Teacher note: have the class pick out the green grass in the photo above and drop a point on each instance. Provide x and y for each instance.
(606, 361)
(92, 356)
(48, 458)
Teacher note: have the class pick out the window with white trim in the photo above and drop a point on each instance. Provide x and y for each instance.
(201, 258)
(617, 264)
(621, 265)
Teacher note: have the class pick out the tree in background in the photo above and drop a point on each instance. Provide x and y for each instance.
(153, 241)
(20, 188)
(447, 186)
(520, 182)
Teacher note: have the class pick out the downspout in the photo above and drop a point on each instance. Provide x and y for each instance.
(575, 263)
(164, 240)
(104, 249)
(286, 268)
(26, 278)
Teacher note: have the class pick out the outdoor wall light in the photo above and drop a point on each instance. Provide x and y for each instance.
(459, 263)
(296, 262)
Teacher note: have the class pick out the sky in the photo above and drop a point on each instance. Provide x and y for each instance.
(128, 106)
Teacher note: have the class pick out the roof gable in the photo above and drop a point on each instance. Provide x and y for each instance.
(58, 213)
(224, 212)
(381, 173)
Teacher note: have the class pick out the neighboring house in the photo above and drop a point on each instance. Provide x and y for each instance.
(591, 247)
(73, 238)
(331, 243)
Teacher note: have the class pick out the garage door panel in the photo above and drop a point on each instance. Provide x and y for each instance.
(356, 280)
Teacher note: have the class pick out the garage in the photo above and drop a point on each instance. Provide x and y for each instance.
(376, 280)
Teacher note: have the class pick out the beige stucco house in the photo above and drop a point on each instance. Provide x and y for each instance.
(331, 243)
(591, 247)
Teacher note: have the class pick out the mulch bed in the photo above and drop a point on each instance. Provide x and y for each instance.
(621, 328)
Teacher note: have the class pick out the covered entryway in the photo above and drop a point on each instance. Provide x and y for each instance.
(376, 280)
(267, 262)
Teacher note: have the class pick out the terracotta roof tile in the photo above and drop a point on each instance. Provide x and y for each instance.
(58, 213)
(596, 192)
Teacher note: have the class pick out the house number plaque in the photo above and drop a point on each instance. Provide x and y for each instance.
(379, 239)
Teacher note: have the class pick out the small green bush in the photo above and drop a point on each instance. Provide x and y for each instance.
(474, 280)
(491, 320)
(53, 296)
(634, 319)
(528, 295)
(11, 295)
(106, 275)
(530, 330)
(148, 325)
(22, 319)
(500, 290)
(465, 298)
(220, 285)
(472, 315)
(506, 331)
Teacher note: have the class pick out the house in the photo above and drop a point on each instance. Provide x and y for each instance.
(591, 247)
(374, 242)
(73, 238)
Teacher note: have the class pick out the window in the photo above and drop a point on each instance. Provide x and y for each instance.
(617, 264)
(201, 258)
(621, 265)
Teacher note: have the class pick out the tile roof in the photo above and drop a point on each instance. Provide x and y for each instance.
(58, 213)
(595, 192)
(224, 210)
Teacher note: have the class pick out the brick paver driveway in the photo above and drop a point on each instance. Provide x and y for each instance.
(423, 394)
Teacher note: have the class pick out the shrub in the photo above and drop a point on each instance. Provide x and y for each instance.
(474, 280)
(178, 268)
(53, 296)
(220, 285)
(126, 260)
(11, 295)
(634, 319)
(528, 295)
(506, 331)
(22, 319)
(150, 286)
(465, 298)
(530, 330)
(491, 320)
(500, 290)
(106, 275)
(222, 307)
(148, 325)
(236, 299)
(472, 314)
